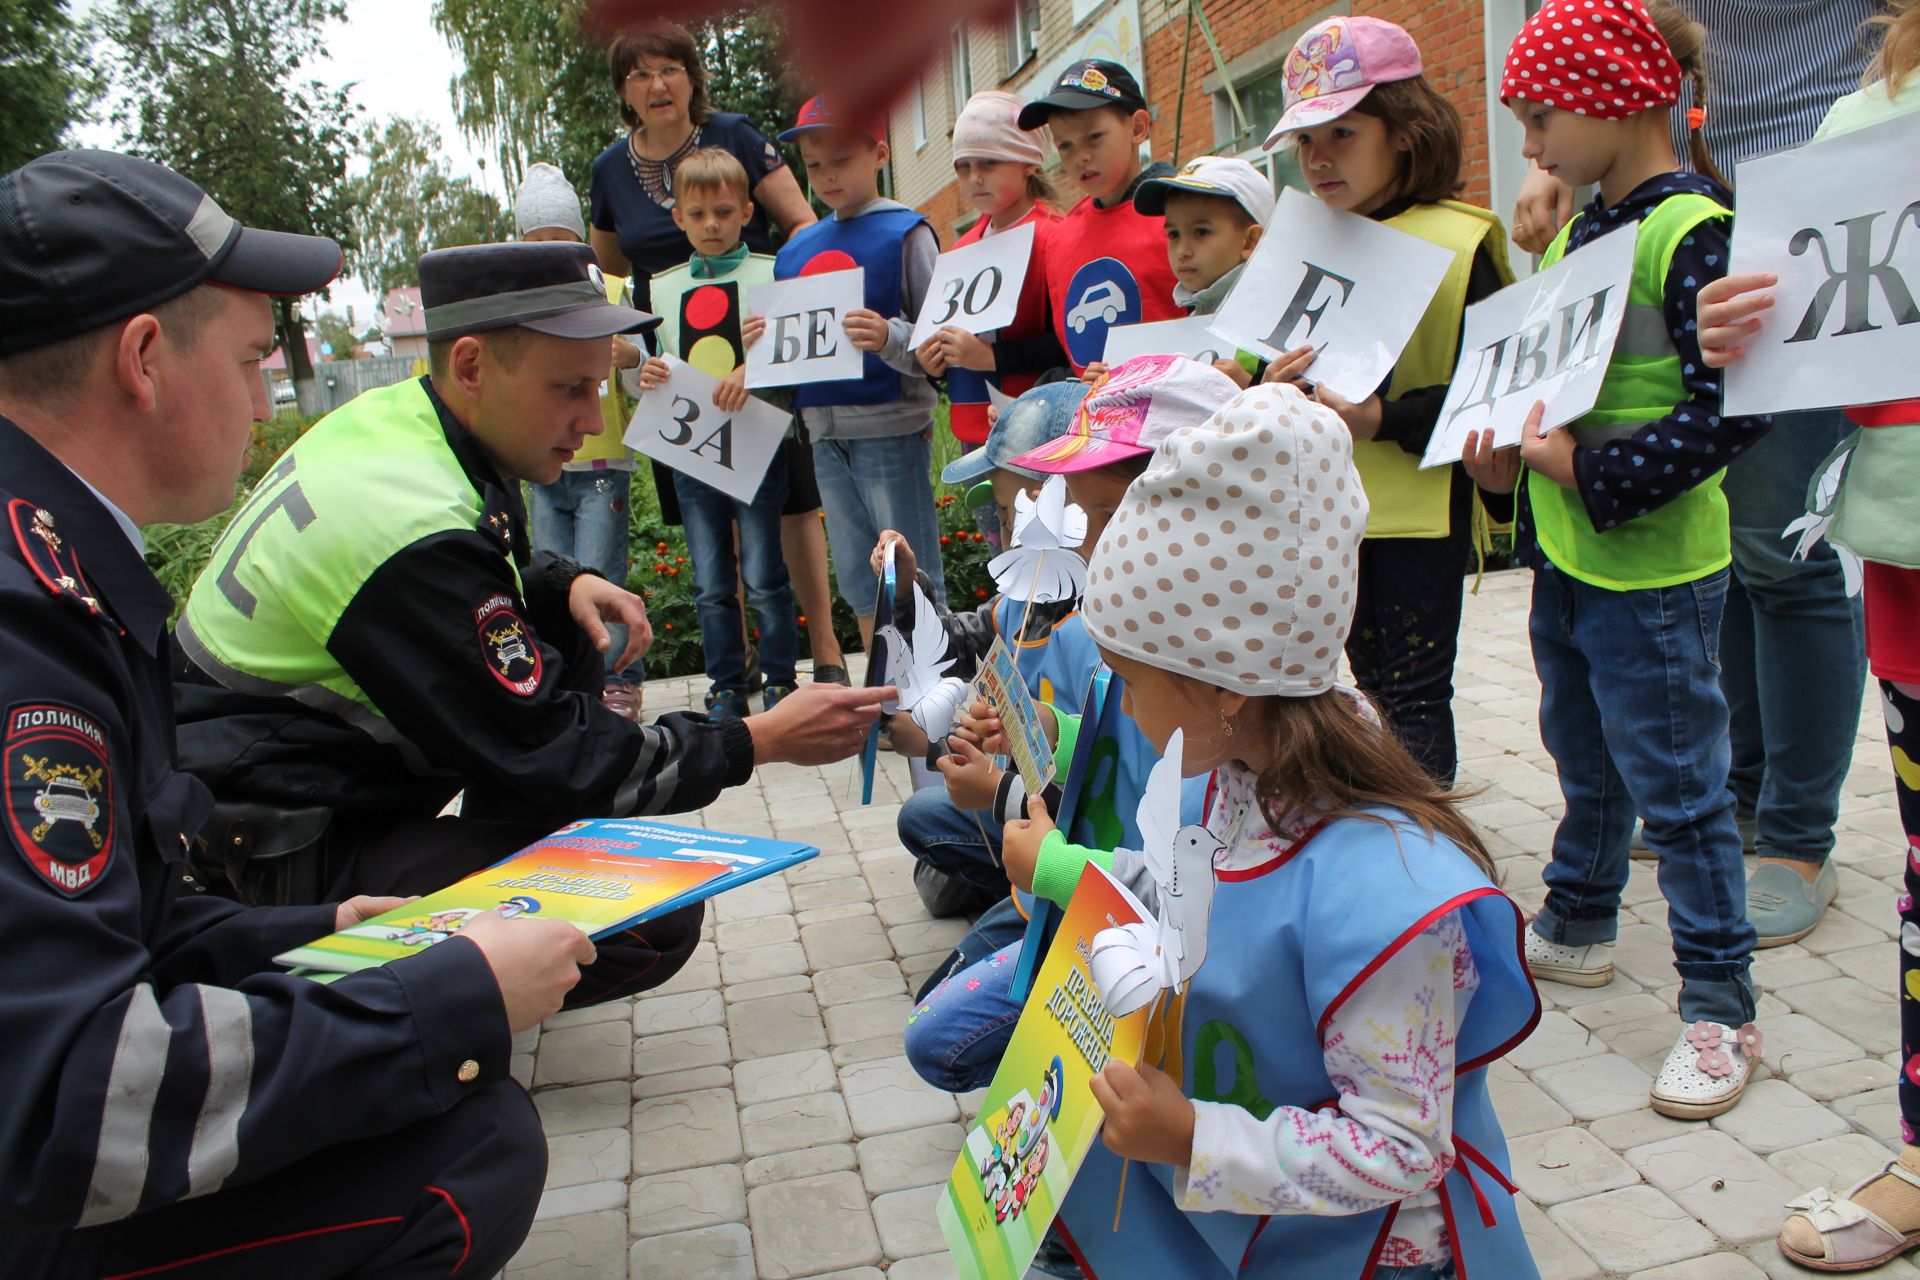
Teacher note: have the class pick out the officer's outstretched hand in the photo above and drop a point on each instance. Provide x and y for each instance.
(536, 962)
(817, 724)
(594, 602)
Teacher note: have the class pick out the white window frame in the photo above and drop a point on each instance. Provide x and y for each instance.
(1023, 35)
(960, 65)
(917, 108)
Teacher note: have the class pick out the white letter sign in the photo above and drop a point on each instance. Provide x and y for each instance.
(677, 425)
(977, 287)
(1548, 338)
(1351, 288)
(1192, 337)
(1839, 223)
(805, 341)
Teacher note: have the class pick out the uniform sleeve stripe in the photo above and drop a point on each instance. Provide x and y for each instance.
(216, 1135)
(655, 774)
(126, 1119)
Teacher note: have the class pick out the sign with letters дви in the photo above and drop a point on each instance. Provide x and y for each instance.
(1547, 339)
(1839, 222)
(977, 286)
(1349, 287)
(806, 338)
(677, 425)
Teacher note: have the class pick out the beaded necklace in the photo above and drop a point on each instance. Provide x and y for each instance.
(656, 176)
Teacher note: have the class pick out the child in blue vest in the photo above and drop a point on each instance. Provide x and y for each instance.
(872, 436)
(1320, 1110)
(1622, 519)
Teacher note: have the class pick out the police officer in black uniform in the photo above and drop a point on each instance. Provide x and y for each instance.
(175, 1104)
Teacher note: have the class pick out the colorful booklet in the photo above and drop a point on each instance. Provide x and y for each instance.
(601, 875)
(1039, 1118)
(1005, 689)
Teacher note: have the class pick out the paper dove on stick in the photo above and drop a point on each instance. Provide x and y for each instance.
(918, 669)
(1133, 963)
(1040, 564)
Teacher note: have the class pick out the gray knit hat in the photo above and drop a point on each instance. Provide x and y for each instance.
(547, 199)
(1233, 557)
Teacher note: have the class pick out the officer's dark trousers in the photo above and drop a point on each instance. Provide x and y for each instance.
(450, 1196)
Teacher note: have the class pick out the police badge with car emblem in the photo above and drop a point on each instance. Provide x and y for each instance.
(59, 793)
(507, 645)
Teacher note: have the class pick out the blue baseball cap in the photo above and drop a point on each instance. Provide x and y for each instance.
(1038, 416)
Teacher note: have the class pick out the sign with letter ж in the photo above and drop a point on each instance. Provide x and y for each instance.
(805, 340)
(1351, 288)
(1547, 339)
(678, 426)
(1839, 222)
(977, 286)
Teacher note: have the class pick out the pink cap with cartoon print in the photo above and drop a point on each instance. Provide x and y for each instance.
(1336, 64)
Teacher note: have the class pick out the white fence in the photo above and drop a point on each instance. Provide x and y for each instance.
(337, 381)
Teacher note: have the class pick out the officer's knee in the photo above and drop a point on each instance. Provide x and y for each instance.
(496, 1208)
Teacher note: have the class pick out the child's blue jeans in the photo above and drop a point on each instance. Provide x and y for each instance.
(583, 516)
(952, 840)
(1632, 713)
(956, 1035)
(867, 485)
(710, 516)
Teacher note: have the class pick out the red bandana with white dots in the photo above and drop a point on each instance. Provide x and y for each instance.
(1602, 58)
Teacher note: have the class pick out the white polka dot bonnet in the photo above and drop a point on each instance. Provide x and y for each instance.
(1233, 557)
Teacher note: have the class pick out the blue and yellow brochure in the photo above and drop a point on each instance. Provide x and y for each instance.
(600, 875)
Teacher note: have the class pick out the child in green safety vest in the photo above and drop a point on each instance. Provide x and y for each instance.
(1622, 518)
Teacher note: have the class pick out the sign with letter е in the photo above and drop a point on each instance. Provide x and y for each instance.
(1547, 339)
(1351, 288)
(1839, 223)
(805, 340)
(977, 286)
(678, 426)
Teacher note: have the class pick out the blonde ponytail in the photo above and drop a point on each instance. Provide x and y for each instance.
(1688, 40)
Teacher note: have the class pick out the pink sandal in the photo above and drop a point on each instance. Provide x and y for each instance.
(1852, 1237)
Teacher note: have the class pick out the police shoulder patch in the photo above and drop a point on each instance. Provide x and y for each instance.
(58, 791)
(507, 645)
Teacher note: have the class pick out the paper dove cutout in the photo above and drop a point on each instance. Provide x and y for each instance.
(918, 669)
(1133, 963)
(1040, 564)
(1813, 526)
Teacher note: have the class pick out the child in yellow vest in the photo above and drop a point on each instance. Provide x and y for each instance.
(1374, 138)
(1622, 518)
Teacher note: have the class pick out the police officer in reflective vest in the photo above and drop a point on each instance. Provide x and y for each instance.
(372, 637)
(176, 1103)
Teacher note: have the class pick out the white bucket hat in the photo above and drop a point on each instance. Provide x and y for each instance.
(1233, 558)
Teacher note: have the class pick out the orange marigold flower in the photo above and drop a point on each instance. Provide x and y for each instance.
(979, 593)
(945, 540)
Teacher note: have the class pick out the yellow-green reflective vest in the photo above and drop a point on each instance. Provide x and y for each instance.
(1404, 501)
(1687, 538)
(369, 480)
(616, 410)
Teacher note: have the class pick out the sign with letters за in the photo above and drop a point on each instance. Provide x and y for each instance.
(1351, 288)
(977, 286)
(1839, 222)
(678, 426)
(805, 339)
(1547, 339)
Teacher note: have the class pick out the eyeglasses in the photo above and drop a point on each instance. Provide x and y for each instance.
(665, 75)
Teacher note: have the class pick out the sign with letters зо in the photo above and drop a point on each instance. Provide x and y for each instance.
(1351, 288)
(977, 286)
(678, 426)
(805, 339)
(1839, 222)
(1547, 339)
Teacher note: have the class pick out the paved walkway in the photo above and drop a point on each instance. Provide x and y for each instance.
(755, 1120)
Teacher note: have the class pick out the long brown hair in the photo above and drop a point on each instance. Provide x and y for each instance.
(1331, 761)
(1688, 40)
(1429, 169)
(661, 40)
(1899, 54)
(1040, 189)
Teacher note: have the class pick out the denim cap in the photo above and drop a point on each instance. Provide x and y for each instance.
(1139, 403)
(1033, 419)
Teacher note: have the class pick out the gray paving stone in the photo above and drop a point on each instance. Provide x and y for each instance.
(1794, 1042)
(1733, 1192)
(684, 1131)
(793, 1124)
(1834, 1163)
(711, 1253)
(845, 1055)
(602, 1105)
(1594, 1087)
(1523, 1107)
(785, 1075)
(739, 935)
(904, 909)
(588, 1246)
(1843, 1079)
(906, 1221)
(686, 1199)
(578, 1055)
(886, 1096)
(1773, 1116)
(790, 1166)
(927, 935)
(1632, 1229)
(1875, 1113)
(757, 964)
(658, 1013)
(588, 1197)
(1639, 1128)
(671, 1051)
(931, 1266)
(775, 1024)
(1717, 1266)
(852, 983)
(1566, 1164)
(765, 897)
(1554, 1251)
(910, 1158)
(867, 1019)
(1865, 1015)
(692, 1081)
(856, 939)
(594, 1156)
(611, 1011)
(889, 877)
(810, 1225)
(792, 984)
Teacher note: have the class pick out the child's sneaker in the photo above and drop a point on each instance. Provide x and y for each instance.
(1588, 966)
(623, 699)
(727, 704)
(1707, 1070)
(772, 696)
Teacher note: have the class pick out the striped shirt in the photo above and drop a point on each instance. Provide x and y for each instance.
(1773, 69)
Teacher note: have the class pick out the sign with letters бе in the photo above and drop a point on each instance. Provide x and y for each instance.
(1839, 222)
(805, 339)
(1547, 339)
(677, 425)
(1349, 287)
(977, 286)
(1190, 336)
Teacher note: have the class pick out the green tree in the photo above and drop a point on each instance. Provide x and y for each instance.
(45, 81)
(410, 201)
(212, 88)
(336, 330)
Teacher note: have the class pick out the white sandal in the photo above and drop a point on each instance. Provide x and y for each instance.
(1852, 1237)
(1706, 1071)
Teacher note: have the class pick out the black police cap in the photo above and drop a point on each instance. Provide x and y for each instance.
(91, 237)
(550, 287)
